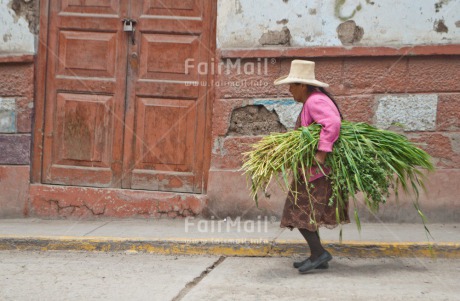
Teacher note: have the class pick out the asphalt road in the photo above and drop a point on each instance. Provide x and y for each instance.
(137, 276)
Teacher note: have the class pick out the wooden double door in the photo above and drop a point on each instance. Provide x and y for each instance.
(119, 107)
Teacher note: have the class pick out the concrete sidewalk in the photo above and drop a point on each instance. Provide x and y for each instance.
(230, 237)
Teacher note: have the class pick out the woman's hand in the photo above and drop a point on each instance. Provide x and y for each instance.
(320, 157)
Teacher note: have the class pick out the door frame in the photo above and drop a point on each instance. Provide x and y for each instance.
(41, 60)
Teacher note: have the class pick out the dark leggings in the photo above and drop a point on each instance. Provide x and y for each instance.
(314, 243)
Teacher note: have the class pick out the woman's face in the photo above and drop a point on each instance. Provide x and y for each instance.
(299, 92)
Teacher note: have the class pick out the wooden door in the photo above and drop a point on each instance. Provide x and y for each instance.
(120, 114)
(165, 124)
(85, 93)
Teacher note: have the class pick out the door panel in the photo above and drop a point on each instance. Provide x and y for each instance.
(158, 116)
(167, 114)
(82, 126)
(159, 62)
(85, 93)
(176, 8)
(100, 48)
(91, 6)
(164, 145)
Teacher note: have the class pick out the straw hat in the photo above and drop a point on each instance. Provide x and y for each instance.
(302, 72)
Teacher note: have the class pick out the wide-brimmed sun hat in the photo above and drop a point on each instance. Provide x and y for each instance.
(302, 72)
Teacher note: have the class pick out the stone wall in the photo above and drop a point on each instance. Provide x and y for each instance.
(388, 63)
(16, 110)
(18, 32)
(421, 93)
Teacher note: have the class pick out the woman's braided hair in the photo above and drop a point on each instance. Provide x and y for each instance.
(322, 90)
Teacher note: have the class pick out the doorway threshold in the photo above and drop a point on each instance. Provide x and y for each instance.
(53, 201)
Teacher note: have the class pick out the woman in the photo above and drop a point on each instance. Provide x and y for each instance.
(310, 209)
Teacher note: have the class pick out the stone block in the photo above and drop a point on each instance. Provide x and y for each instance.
(357, 108)
(443, 147)
(15, 149)
(14, 191)
(448, 115)
(330, 71)
(372, 75)
(247, 78)
(17, 80)
(24, 111)
(415, 112)
(7, 115)
(434, 74)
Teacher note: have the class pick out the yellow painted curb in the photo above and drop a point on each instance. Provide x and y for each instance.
(226, 247)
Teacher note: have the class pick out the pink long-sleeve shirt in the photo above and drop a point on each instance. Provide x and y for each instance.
(319, 108)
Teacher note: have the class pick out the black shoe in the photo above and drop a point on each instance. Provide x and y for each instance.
(298, 264)
(310, 265)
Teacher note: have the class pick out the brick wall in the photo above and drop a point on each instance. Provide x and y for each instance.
(16, 109)
(422, 92)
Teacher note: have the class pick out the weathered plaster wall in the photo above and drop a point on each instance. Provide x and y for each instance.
(18, 26)
(250, 23)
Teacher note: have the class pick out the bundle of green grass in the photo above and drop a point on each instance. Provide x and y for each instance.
(364, 159)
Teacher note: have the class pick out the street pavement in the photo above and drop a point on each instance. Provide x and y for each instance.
(222, 229)
(131, 275)
(225, 259)
(226, 237)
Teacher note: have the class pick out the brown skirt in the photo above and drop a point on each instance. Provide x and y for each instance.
(300, 215)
